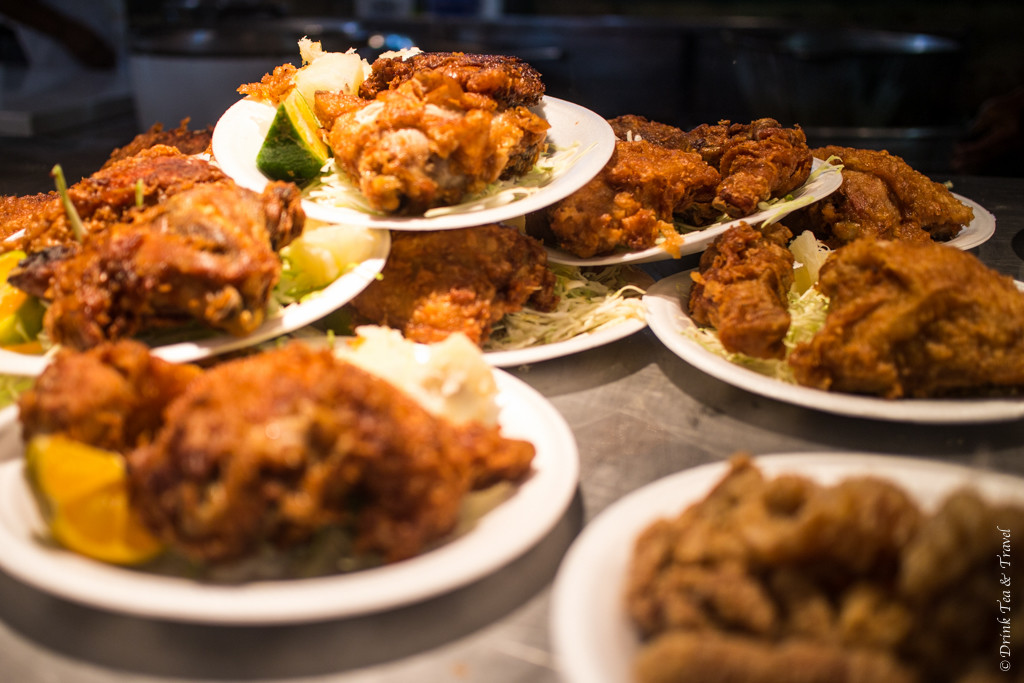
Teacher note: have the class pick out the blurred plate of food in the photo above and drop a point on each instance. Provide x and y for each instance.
(978, 231)
(824, 180)
(579, 144)
(610, 588)
(668, 318)
(511, 504)
(345, 260)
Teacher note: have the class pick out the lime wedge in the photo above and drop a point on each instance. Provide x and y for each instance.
(293, 149)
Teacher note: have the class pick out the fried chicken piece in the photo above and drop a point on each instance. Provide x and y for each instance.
(631, 127)
(273, 447)
(436, 283)
(181, 138)
(631, 202)
(110, 397)
(882, 197)
(510, 81)
(274, 87)
(912, 319)
(206, 254)
(741, 289)
(106, 197)
(429, 143)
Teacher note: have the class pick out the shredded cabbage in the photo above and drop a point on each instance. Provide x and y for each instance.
(588, 301)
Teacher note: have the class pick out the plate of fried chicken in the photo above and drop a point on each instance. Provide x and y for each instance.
(822, 563)
(370, 477)
(911, 331)
(432, 141)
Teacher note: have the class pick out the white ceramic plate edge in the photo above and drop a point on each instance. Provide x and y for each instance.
(499, 536)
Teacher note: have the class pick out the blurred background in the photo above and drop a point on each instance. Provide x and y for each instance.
(937, 83)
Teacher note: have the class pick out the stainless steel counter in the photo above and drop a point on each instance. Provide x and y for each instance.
(638, 413)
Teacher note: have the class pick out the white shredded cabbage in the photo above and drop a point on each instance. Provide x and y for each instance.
(588, 301)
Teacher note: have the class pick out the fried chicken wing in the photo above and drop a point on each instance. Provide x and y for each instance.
(741, 289)
(882, 197)
(111, 397)
(436, 283)
(273, 447)
(206, 254)
(508, 80)
(914, 319)
(181, 138)
(429, 143)
(631, 202)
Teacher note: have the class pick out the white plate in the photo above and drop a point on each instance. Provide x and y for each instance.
(287, 319)
(583, 342)
(239, 134)
(497, 538)
(822, 185)
(592, 636)
(667, 317)
(978, 231)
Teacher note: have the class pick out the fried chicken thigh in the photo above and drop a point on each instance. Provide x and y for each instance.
(881, 197)
(914, 319)
(741, 289)
(436, 283)
(207, 254)
(632, 201)
(273, 447)
(428, 142)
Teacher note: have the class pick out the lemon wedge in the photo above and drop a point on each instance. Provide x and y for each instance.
(84, 494)
(21, 315)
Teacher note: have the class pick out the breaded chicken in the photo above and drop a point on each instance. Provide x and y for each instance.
(112, 396)
(436, 283)
(206, 254)
(510, 81)
(274, 447)
(914, 319)
(429, 143)
(882, 197)
(631, 202)
(181, 138)
(741, 289)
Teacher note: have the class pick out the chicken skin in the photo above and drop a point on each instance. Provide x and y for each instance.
(882, 197)
(436, 283)
(207, 254)
(741, 289)
(273, 447)
(429, 143)
(914, 319)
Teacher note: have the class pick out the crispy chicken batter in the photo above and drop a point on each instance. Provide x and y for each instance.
(784, 579)
(429, 143)
(631, 202)
(106, 197)
(882, 197)
(741, 289)
(206, 254)
(508, 80)
(276, 446)
(436, 283)
(181, 138)
(112, 396)
(914, 319)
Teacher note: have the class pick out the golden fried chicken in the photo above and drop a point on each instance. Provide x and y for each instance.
(508, 80)
(741, 289)
(181, 138)
(206, 254)
(108, 196)
(914, 319)
(111, 397)
(882, 197)
(631, 202)
(436, 283)
(429, 143)
(274, 447)
(787, 579)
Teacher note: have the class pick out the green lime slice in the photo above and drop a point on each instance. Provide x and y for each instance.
(293, 149)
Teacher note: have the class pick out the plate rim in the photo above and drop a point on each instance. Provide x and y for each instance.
(331, 597)
(668, 321)
(620, 523)
(595, 157)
